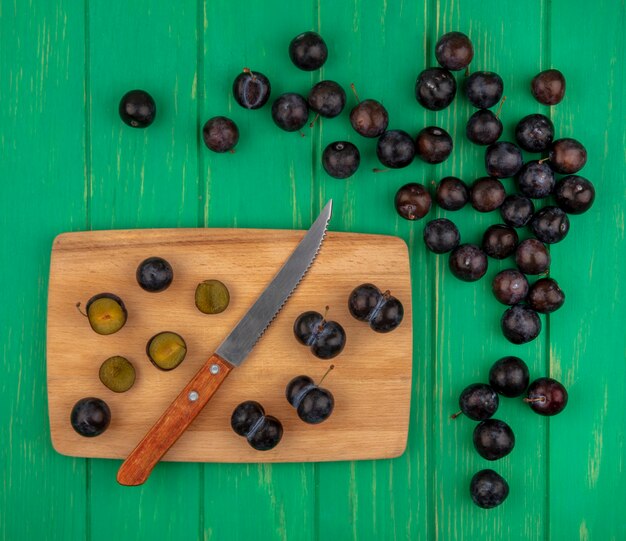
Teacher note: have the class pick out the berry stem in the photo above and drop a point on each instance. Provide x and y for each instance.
(535, 399)
(326, 374)
(355, 94)
(543, 160)
(314, 120)
(500, 107)
(249, 72)
(467, 71)
(78, 308)
(377, 170)
(455, 415)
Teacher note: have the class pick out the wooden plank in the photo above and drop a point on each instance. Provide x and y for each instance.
(376, 46)
(267, 183)
(143, 178)
(42, 170)
(467, 332)
(84, 264)
(586, 473)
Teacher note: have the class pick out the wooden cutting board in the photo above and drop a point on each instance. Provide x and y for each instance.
(371, 381)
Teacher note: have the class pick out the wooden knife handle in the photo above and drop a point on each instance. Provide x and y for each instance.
(174, 421)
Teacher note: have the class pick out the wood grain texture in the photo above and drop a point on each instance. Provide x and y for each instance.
(69, 164)
(371, 379)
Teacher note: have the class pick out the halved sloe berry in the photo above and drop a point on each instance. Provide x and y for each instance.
(106, 313)
(211, 297)
(251, 89)
(117, 373)
(166, 350)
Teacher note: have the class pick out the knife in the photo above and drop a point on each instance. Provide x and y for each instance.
(229, 354)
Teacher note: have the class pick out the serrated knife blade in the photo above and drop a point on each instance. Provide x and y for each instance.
(229, 354)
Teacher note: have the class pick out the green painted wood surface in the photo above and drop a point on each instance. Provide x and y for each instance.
(68, 163)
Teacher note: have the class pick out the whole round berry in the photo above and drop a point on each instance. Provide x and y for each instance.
(478, 401)
(90, 416)
(412, 201)
(369, 118)
(454, 51)
(433, 144)
(290, 111)
(483, 89)
(483, 128)
(341, 159)
(308, 51)
(441, 236)
(137, 109)
(313, 404)
(435, 88)
(503, 159)
(220, 134)
(488, 489)
(510, 286)
(154, 274)
(548, 87)
(468, 262)
(452, 193)
(325, 338)
(327, 99)
(493, 439)
(509, 376)
(546, 396)
(520, 324)
(251, 89)
(535, 179)
(516, 210)
(499, 241)
(382, 311)
(545, 296)
(245, 416)
(574, 194)
(487, 194)
(395, 149)
(567, 156)
(550, 224)
(534, 133)
(531, 257)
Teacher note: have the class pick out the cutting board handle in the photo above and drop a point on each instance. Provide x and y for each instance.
(174, 421)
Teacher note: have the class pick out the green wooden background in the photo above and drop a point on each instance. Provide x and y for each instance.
(69, 164)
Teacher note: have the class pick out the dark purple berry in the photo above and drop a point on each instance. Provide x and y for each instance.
(535, 179)
(454, 51)
(220, 134)
(412, 201)
(548, 87)
(499, 241)
(341, 159)
(516, 210)
(90, 416)
(154, 274)
(395, 149)
(487, 194)
(478, 401)
(546, 396)
(325, 338)
(574, 194)
(263, 432)
(369, 118)
(433, 144)
(567, 156)
(510, 286)
(493, 439)
(534, 133)
(488, 489)
(468, 262)
(452, 193)
(251, 89)
(483, 89)
(503, 159)
(441, 236)
(313, 403)
(381, 310)
(483, 128)
(509, 376)
(531, 257)
(520, 324)
(545, 296)
(137, 109)
(550, 224)
(435, 88)
(327, 99)
(308, 51)
(290, 111)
